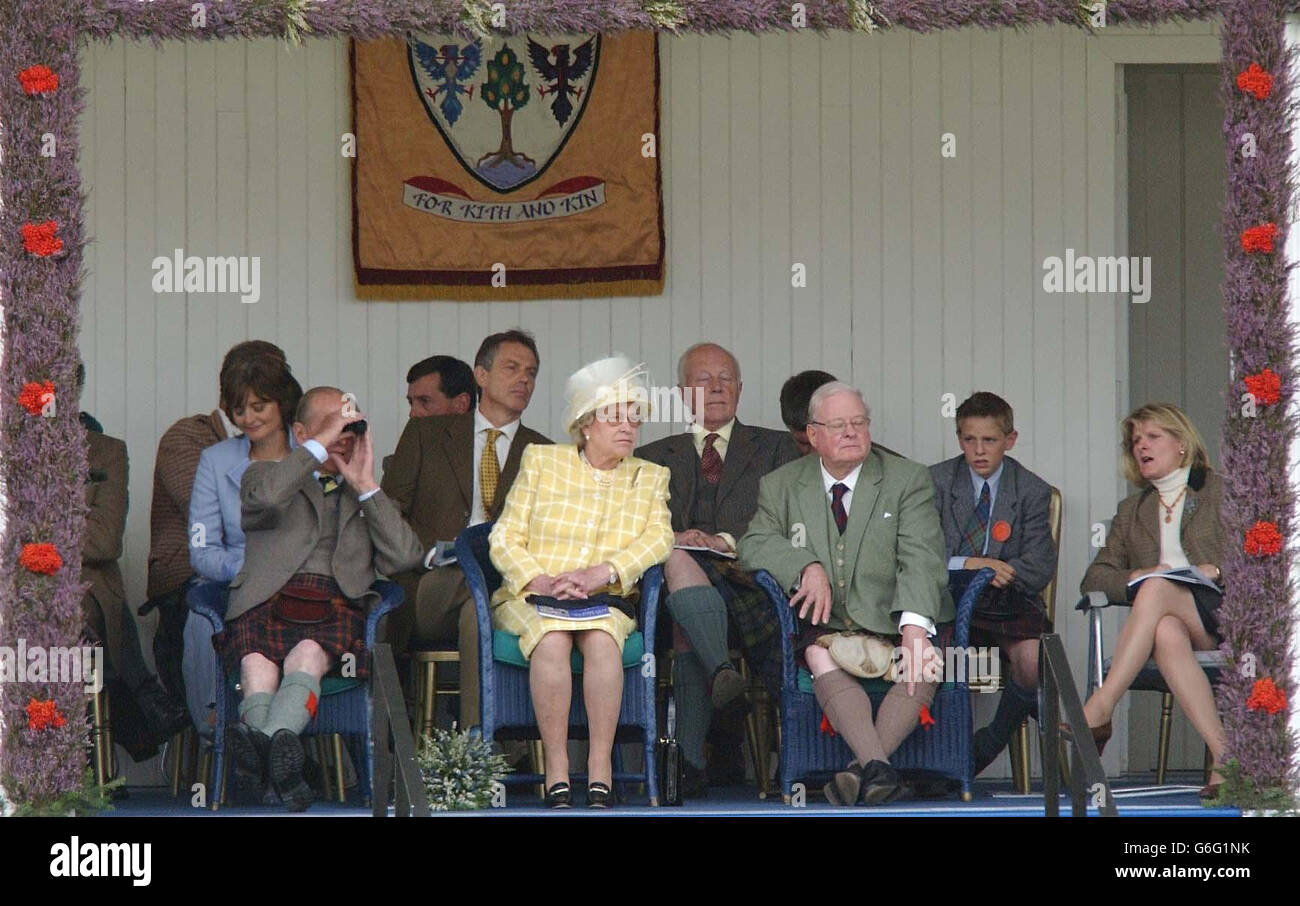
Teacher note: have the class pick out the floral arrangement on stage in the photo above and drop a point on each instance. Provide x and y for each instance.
(459, 770)
(42, 241)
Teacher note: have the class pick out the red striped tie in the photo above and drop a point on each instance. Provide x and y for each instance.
(711, 460)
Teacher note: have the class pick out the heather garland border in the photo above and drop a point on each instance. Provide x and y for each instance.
(44, 458)
(1256, 612)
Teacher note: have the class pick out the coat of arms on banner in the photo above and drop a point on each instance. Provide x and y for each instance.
(524, 154)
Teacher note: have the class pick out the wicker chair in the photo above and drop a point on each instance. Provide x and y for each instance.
(507, 705)
(344, 709)
(944, 748)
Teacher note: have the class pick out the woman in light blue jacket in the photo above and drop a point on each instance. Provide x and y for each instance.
(259, 396)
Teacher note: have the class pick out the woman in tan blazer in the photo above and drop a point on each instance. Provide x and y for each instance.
(1172, 522)
(579, 520)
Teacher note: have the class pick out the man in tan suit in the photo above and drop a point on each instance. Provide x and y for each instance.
(445, 476)
(318, 531)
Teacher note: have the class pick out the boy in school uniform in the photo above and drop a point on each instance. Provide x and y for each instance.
(994, 513)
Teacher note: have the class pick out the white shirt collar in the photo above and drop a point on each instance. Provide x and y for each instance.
(977, 480)
(723, 431)
(849, 480)
(481, 424)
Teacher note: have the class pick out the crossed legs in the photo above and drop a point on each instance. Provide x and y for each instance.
(1164, 624)
(550, 680)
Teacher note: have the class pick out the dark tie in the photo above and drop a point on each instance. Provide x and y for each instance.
(711, 460)
(328, 483)
(838, 491)
(975, 534)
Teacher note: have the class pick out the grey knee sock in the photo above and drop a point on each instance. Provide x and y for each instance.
(702, 614)
(255, 709)
(694, 710)
(294, 705)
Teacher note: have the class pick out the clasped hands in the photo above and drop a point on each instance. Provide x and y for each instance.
(1003, 573)
(576, 584)
(698, 538)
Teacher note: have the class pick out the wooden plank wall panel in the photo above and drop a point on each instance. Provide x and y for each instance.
(924, 273)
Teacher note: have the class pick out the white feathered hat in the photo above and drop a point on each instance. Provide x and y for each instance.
(603, 383)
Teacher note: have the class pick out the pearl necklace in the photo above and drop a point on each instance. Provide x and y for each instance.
(601, 476)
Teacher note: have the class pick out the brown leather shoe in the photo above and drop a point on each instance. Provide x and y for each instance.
(1100, 735)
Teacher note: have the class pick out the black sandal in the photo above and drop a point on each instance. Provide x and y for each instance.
(598, 795)
(559, 796)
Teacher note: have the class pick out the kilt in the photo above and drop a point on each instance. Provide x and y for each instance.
(751, 615)
(807, 634)
(261, 631)
(1017, 615)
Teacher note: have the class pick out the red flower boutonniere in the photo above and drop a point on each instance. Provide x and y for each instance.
(41, 715)
(1001, 530)
(1259, 238)
(39, 79)
(1265, 387)
(35, 395)
(40, 238)
(1255, 80)
(40, 558)
(1263, 540)
(1266, 696)
(927, 719)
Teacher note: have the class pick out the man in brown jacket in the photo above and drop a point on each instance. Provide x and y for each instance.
(453, 471)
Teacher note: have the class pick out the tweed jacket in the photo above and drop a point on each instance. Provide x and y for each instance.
(430, 476)
(751, 454)
(557, 518)
(281, 519)
(101, 545)
(1023, 502)
(1134, 538)
(890, 557)
(173, 480)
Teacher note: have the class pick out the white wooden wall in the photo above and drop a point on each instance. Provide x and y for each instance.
(924, 273)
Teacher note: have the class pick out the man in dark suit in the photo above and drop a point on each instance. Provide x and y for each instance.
(318, 532)
(995, 514)
(716, 466)
(444, 476)
(855, 530)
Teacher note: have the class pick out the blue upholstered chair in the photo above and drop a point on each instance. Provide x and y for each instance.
(344, 707)
(806, 752)
(507, 704)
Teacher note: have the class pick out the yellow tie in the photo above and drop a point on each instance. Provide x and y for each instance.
(489, 471)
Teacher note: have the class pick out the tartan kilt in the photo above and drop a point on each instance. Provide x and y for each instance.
(1021, 616)
(755, 625)
(260, 631)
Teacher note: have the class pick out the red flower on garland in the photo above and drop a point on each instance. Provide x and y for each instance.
(1259, 238)
(1256, 81)
(39, 79)
(1266, 696)
(1266, 386)
(34, 396)
(41, 715)
(1263, 540)
(826, 726)
(40, 558)
(927, 719)
(40, 238)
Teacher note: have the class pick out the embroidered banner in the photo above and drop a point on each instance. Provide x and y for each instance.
(516, 167)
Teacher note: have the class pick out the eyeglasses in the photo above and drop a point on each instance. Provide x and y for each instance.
(837, 427)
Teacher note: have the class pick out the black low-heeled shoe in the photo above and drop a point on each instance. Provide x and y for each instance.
(559, 796)
(599, 795)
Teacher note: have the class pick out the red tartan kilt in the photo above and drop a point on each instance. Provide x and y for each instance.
(260, 631)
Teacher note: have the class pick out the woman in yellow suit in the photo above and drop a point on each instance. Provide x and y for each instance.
(582, 519)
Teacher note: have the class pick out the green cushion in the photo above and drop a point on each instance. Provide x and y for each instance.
(881, 686)
(505, 648)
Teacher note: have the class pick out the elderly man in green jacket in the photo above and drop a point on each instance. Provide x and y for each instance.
(854, 533)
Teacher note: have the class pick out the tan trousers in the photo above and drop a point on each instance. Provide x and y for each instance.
(443, 612)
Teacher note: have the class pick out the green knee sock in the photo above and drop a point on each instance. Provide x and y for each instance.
(294, 705)
(255, 709)
(702, 614)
